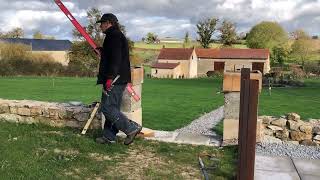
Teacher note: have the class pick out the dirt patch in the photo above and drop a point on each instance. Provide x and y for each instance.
(59, 133)
(140, 163)
(75, 173)
(67, 152)
(99, 157)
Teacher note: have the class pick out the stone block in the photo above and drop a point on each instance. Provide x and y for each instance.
(316, 130)
(135, 116)
(137, 76)
(266, 119)
(13, 110)
(279, 122)
(297, 136)
(82, 117)
(231, 130)
(4, 108)
(36, 111)
(308, 142)
(306, 128)
(294, 125)
(23, 111)
(293, 116)
(283, 135)
(13, 118)
(231, 105)
(128, 104)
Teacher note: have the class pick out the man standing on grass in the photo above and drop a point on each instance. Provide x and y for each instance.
(114, 62)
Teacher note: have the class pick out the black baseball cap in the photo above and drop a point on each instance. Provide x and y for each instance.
(108, 17)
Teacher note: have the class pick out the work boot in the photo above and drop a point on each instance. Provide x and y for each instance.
(104, 140)
(130, 137)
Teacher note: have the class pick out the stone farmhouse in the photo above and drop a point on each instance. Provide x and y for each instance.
(198, 62)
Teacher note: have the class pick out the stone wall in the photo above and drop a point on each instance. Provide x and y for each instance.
(68, 115)
(292, 129)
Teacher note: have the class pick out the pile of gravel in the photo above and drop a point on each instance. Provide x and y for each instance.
(204, 124)
(289, 150)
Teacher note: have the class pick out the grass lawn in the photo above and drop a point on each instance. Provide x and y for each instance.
(167, 104)
(41, 152)
(304, 100)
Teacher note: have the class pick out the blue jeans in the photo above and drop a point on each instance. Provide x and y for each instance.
(115, 119)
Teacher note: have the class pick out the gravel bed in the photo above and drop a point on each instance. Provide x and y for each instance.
(290, 150)
(204, 124)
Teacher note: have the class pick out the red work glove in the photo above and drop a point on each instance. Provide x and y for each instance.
(108, 85)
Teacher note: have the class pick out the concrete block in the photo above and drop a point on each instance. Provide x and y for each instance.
(135, 116)
(275, 164)
(270, 175)
(231, 81)
(231, 130)
(231, 105)
(128, 104)
(137, 75)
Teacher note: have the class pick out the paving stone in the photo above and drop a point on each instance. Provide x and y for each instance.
(276, 164)
(308, 167)
(271, 175)
(192, 139)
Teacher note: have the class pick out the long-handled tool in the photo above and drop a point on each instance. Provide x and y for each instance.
(90, 41)
(90, 119)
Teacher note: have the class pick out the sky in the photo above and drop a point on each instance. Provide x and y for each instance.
(166, 18)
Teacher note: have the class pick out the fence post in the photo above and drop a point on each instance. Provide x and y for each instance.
(247, 125)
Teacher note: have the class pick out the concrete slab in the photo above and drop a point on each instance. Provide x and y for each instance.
(308, 167)
(192, 139)
(272, 175)
(309, 177)
(274, 164)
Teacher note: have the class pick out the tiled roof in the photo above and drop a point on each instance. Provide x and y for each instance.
(233, 53)
(41, 44)
(165, 65)
(175, 53)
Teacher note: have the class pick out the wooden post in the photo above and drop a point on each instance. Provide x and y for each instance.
(247, 125)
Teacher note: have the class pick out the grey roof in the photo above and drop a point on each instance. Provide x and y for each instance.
(41, 44)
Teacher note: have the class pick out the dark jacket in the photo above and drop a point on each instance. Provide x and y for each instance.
(114, 58)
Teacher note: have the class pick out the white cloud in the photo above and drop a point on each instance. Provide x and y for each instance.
(164, 17)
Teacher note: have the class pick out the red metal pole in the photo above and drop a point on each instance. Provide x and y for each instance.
(77, 25)
(90, 41)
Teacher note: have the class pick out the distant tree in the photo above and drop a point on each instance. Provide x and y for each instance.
(228, 35)
(151, 38)
(301, 48)
(14, 33)
(143, 39)
(38, 35)
(280, 54)
(315, 37)
(266, 35)
(205, 29)
(299, 34)
(186, 41)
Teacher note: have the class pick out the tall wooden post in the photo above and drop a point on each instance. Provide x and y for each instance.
(247, 125)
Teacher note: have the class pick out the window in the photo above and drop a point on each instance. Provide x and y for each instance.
(156, 71)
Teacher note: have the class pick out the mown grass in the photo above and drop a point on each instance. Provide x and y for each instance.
(41, 152)
(167, 104)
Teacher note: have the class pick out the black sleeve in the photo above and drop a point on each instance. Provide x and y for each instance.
(115, 56)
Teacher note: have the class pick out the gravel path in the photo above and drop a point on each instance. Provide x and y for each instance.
(204, 124)
(290, 150)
